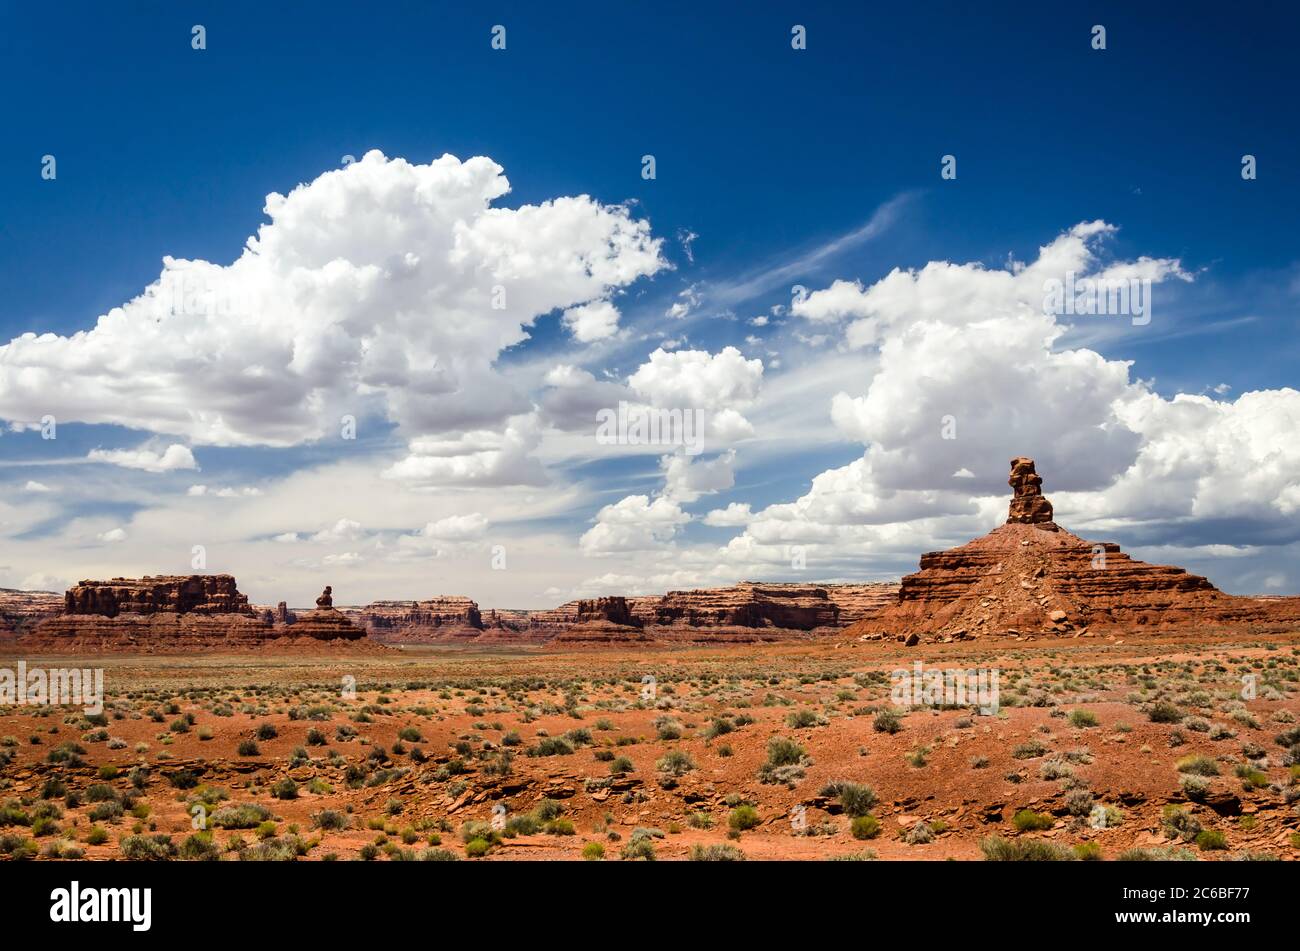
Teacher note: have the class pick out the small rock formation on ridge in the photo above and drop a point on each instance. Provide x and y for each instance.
(326, 623)
(1028, 504)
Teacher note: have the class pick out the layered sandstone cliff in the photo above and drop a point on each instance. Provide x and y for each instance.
(177, 613)
(757, 605)
(749, 610)
(863, 599)
(20, 610)
(603, 622)
(413, 622)
(747, 605)
(161, 594)
(1030, 576)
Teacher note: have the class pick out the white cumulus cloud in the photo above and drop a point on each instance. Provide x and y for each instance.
(383, 289)
(594, 321)
(172, 459)
(635, 523)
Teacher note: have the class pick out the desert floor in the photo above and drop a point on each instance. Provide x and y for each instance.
(1178, 746)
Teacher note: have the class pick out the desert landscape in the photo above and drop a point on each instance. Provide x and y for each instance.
(636, 437)
(1030, 695)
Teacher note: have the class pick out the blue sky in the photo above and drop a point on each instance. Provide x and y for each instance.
(769, 157)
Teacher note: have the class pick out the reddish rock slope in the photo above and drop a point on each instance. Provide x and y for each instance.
(1031, 576)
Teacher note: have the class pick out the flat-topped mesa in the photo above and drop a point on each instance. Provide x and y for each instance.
(1028, 504)
(178, 613)
(451, 617)
(21, 610)
(614, 610)
(157, 594)
(747, 611)
(857, 600)
(600, 622)
(749, 604)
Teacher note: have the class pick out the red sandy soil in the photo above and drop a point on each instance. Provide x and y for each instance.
(477, 697)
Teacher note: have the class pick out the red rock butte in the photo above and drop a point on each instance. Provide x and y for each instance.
(22, 610)
(1030, 576)
(179, 613)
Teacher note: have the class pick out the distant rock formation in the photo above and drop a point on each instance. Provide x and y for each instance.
(166, 613)
(323, 624)
(161, 594)
(20, 610)
(612, 610)
(416, 622)
(602, 622)
(859, 600)
(749, 604)
(1030, 576)
(748, 611)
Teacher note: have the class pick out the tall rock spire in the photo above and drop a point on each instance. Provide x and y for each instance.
(1028, 504)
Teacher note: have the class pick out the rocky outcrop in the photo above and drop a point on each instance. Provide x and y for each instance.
(147, 633)
(858, 601)
(762, 611)
(325, 623)
(747, 611)
(177, 613)
(758, 605)
(161, 594)
(611, 610)
(748, 605)
(602, 622)
(1030, 576)
(1028, 504)
(20, 610)
(415, 622)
